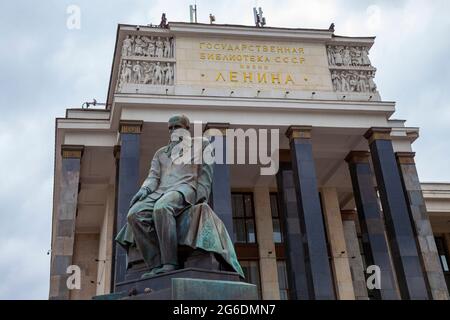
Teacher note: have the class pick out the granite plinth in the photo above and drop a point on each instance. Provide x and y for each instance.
(198, 289)
(161, 287)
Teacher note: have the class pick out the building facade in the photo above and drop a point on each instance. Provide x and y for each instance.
(346, 196)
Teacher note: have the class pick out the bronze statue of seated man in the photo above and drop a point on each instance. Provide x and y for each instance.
(170, 209)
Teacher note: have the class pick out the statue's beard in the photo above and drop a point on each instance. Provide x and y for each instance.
(173, 141)
(176, 137)
(172, 144)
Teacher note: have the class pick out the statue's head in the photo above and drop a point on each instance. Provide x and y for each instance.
(179, 121)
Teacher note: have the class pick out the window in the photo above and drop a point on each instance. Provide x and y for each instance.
(362, 251)
(444, 258)
(442, 254)
(245, 235)
(278, 236)
(251, 272)
(283, 280)
(243, 217)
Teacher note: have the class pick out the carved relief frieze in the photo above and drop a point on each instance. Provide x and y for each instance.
(147, 60)
(144, 46)
(147, 72)
(351, 69)
(348, 56)
(353, 81)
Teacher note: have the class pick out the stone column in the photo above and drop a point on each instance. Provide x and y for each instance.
(295, 256)
(376, 248)
(267, 255)
(422, 226)
(128, 185)
(355, 260)
(62, 249)
(220, 198)
(405, 253)
(338, 248)
(320, 282)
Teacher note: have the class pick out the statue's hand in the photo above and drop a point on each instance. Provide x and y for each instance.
(144, 195)
(139, 196)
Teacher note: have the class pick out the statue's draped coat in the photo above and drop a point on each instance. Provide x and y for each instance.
(197, 225)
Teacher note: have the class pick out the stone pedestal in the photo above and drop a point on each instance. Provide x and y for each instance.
(185, 284)
(196, 289)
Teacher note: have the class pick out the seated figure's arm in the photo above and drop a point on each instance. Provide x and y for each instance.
(205, 175)
(152, 181)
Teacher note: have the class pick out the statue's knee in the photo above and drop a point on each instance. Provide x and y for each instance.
(161, 209)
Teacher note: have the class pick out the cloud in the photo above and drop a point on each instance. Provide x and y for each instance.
(25, 206)
(373, 17)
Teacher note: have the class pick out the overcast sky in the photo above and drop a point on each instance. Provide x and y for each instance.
(46, 68)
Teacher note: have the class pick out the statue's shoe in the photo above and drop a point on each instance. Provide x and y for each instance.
(155, 271)
(149, 274)
(165, 268)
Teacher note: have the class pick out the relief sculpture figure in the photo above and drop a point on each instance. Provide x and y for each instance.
(159, 52)
(365, 56)
(336, 80)
(158, 74)
(347, 59)
(337, 56)
(168, 74)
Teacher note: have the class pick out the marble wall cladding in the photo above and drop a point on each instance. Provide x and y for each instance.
(338, 248)
(266, 246)
(85, 256)
(355, 260)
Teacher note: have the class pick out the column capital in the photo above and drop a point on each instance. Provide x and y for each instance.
(405, 157)
(299, 132)
(378, 133)
(130, 126)
(358, 157)
(72, 151)
(222, 126)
